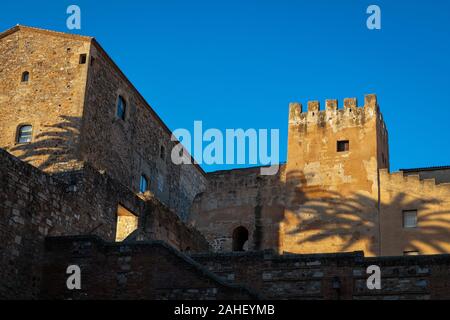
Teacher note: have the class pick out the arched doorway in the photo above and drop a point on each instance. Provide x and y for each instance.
(240, 237)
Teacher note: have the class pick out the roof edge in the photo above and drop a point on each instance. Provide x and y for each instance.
(426, 169)
(44, 31)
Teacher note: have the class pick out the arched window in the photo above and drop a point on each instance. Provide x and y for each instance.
(240, 237)
(121, 108)
(25, 76)
(143, 186)
(24, 134)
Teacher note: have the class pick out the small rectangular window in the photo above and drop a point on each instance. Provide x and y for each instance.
(409, 218)
(343, 146)
(25, 134)
(411, 253)
(83, 58)
(25, 76)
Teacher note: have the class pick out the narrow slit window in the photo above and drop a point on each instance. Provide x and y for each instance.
(25, 76)
(162, 153)
(121, 108)
(83, 58)
(343, 146)
(143, 186)
(25, 134)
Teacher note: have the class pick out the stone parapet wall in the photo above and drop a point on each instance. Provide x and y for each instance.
(316, 276)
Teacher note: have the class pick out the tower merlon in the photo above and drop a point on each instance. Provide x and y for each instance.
(350, 103)
(370, 101)
(295, 109)
(313, 106)
(331, 105)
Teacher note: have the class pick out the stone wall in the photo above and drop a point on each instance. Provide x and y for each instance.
(51, 100)
(34, 205)
(399, 192)
(332, 276)
(236, 198)
(135, 270)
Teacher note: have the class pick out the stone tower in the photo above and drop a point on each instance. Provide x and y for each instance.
(332, 177)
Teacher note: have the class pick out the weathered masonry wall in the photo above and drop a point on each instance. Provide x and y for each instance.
(145, 270)
(51, 100)
(240, 198)
(34, 205)
(332, 196)
(332, 276)
(128, 148)
(399, 192)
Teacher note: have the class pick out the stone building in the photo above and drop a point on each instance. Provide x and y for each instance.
(84, 159)
(79, 107)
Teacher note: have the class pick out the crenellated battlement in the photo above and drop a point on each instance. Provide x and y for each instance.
(350, 114)
(350, 104)
(411, 181)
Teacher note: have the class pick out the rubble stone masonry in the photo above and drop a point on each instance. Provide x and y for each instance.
(35, 205)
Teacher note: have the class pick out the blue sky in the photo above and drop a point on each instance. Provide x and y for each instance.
(238, 64)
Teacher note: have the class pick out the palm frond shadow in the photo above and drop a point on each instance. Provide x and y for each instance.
(324, 214)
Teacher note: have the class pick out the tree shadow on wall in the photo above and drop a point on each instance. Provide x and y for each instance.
(54, 144)
(319, 218)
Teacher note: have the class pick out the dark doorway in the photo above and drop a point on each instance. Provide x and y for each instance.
(240, 237)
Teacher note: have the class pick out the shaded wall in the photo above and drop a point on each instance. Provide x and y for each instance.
(315, 276)
(146, 270)
(34, 205)
(240, 198)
